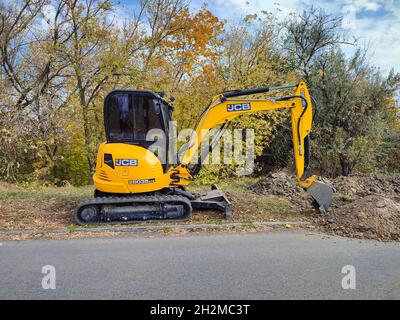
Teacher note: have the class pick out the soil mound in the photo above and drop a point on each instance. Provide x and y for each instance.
(363, 205)
(284, 185)
(371, 217)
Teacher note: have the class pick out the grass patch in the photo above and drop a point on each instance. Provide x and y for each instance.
(274, 205)
(234, 184)
(44, 193)
(43, 208)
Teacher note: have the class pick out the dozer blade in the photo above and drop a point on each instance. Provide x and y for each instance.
(322, 194)
(213, 200)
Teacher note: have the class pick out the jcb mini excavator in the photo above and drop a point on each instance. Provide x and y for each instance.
(133, 185)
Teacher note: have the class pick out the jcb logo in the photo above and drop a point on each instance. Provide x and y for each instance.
(126, 162)
(238, 107)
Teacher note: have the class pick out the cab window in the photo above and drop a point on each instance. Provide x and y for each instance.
(131, 115)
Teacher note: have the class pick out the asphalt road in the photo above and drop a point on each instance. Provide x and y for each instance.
(276, 265)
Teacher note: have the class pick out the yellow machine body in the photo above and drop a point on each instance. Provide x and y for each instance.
(133, 184)
(147, 174)
(126, 167)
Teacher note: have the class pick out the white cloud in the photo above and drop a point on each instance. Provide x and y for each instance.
(383, 39)
(393, 6)
(233, 9)
(364, 4)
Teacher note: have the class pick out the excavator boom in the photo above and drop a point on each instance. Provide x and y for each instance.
(227, 106)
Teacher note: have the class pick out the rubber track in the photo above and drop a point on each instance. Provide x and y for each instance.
(139, 199)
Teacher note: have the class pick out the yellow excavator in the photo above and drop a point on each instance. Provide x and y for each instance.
(132, 184)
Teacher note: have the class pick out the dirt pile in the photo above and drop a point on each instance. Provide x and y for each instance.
(361, 185)
(370, 217)
(363, 206)
(284, 185)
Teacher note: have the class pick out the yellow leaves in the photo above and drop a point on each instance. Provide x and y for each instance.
(391, 103)
(194, 41)
(105, 5)
(250, 17)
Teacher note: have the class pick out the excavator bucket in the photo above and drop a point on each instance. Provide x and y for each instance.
(322, 195)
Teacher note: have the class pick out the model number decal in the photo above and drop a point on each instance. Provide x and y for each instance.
(126, 162)
(238, 107)
(143, 181)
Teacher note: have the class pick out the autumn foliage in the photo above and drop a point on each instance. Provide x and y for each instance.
(59, 59)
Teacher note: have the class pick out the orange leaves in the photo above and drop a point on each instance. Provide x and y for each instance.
(195, 42)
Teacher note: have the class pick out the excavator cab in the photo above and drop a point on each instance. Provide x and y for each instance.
(130, 114)
(125, 165)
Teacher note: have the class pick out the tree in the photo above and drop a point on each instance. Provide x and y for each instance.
(91, 55)
(351, 95)
(161, 19)
(248, 57)
(194, 46)
(310, 34)
(252, 58)
(35, 76)
(353, 111)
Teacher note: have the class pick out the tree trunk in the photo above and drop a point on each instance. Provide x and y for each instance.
(10, 172)
(87, 138)
(86, 125)
(346, 165)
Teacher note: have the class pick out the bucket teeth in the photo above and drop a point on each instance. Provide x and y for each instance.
(322, 194)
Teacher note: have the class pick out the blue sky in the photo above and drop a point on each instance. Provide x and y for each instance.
(375, 22)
